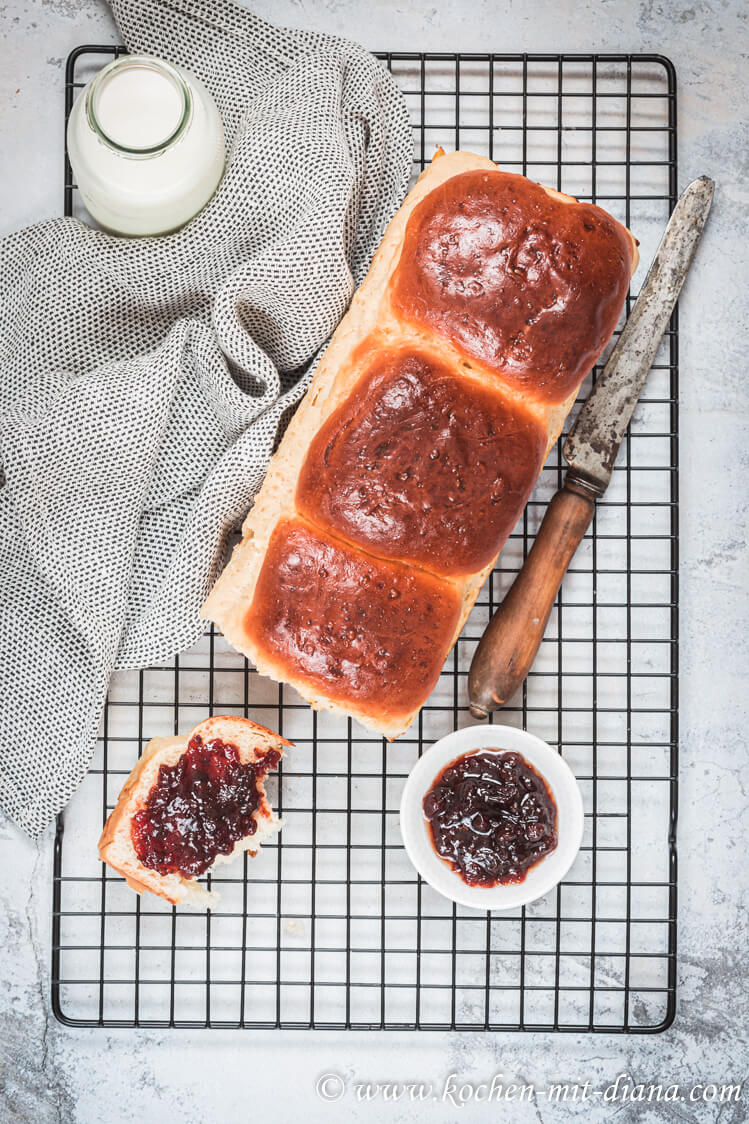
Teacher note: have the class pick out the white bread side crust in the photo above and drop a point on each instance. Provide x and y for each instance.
(116, 845)
(369, 317)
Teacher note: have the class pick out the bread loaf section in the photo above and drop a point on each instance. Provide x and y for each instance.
(421, 437)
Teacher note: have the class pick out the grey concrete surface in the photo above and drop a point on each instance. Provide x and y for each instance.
(50, 1073)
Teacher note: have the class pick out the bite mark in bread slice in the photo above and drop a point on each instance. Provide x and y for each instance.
(116, 847)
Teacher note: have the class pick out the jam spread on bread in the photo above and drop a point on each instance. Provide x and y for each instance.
(199, 808)
(422, 465)
(491, 816)
(354, 626)
(529, 284)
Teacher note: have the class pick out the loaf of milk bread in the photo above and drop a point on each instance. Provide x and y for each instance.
(420, 439)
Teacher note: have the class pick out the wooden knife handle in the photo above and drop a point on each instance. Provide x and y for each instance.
(512, 638)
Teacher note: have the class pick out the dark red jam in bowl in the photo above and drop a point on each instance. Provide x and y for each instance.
(491, 816)
(199, 808)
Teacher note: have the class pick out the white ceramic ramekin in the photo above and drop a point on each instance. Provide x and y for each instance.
(564, 788)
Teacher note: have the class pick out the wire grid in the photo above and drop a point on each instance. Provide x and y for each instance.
(330, 927)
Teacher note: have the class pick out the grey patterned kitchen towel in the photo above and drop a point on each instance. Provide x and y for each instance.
(142, 382)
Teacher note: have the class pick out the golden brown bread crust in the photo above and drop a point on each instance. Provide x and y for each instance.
(115, 844)
(119, 814)
(374, 328)
(437, 492)
(337, 624)
(558, 268)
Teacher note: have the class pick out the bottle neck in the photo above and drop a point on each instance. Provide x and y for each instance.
(138, 105)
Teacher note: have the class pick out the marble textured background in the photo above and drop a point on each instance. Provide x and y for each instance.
(49, 1073)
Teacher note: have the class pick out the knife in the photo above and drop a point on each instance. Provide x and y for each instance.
(512, 638)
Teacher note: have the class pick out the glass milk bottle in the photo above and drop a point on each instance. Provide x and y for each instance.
(146, 145)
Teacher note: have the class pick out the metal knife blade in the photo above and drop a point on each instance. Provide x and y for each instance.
(593, 442)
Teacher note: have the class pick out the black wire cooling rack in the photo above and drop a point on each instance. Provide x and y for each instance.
(330, 926)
